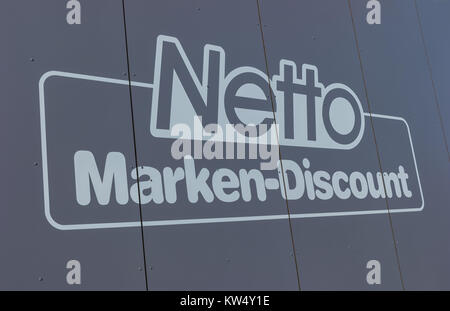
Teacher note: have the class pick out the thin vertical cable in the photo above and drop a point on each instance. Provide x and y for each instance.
(279, 148)
(134, 143)
(376, 145)
(441, 119)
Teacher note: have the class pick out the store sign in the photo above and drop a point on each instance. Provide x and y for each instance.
(322, 131)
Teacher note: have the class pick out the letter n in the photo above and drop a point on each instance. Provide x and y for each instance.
(171, 61)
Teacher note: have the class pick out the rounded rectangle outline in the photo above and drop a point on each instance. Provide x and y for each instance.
(148, 223)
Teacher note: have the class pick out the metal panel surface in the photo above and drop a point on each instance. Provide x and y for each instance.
(204, 242)
(398, 83)
(51, 110)
(338, 234)
(224, 145)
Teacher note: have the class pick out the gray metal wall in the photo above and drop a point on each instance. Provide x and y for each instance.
(398, 69)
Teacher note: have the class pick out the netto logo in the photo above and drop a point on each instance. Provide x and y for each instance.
(308, 113)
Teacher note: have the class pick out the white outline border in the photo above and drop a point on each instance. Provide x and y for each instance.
(56, 225)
